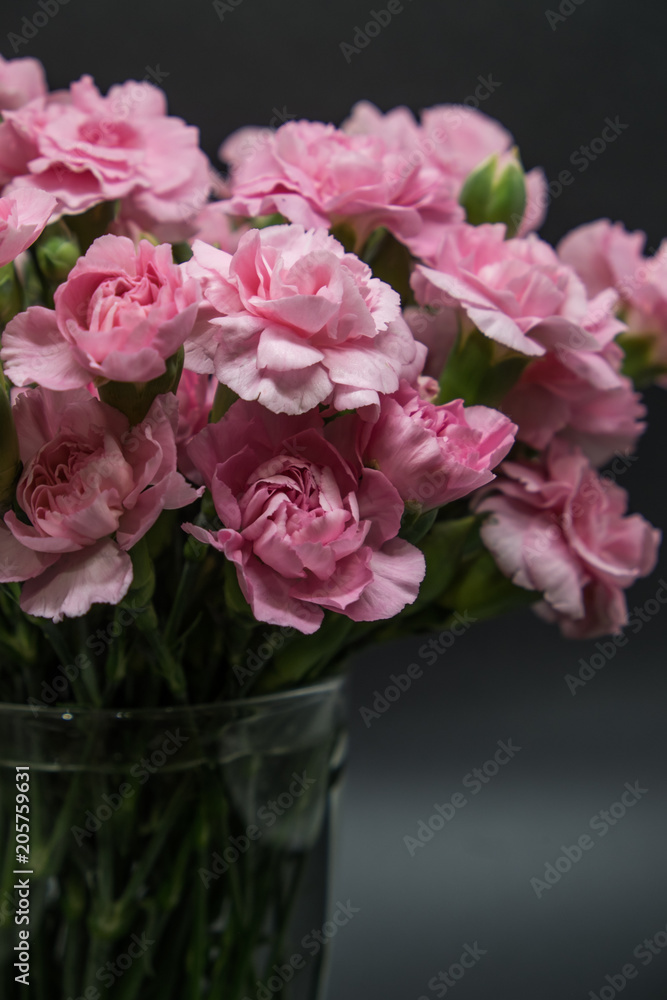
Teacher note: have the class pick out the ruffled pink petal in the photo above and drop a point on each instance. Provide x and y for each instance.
(101, 574)
(398, 568)
(34, 350)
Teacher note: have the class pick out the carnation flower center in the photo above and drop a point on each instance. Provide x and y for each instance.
(106, 132)
(67, 476)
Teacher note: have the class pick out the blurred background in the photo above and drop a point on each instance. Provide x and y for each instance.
(553, 74)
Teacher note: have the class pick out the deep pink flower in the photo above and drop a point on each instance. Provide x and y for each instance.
(435, 454)
(85, 149)
(119, 315)
(557, 527)
(91, 487)
(21, 80)
(515, 291)
(23, 216)
(306, 529)
(607, 256)
(292, 320)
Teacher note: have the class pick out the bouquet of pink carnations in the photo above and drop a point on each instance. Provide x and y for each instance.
(343, 392)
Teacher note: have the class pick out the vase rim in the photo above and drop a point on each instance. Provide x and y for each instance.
(292, 694)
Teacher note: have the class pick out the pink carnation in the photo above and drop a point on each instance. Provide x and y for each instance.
(122, 312)
(292, 320)
(21, 80)
(320, 176)
(435, 454)
(84, 149)
(555, 526)
(23, 216)
(90, 489)
(307, 530)
(580, 394)
(602, 254)
(515, 291)
(607, 256)
(453, 138)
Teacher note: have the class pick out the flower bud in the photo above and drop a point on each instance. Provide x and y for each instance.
(56, 256)
(495, 192)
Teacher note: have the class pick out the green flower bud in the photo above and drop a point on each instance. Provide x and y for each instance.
(495, 192)
(56, 256)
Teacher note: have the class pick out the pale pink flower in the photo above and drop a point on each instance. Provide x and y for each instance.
(605, 255)
(515, 291)
(21, 80)
(306, 529)
(435, 454)
(556, 527)
(453, 138)
(320, 176)
(85, 149)
(23, 216)
(121, 313)
(293, 321)
(90, 489)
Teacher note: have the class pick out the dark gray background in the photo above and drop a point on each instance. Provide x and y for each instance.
(501, 680)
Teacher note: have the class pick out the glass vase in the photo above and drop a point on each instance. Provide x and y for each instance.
(174, 854)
